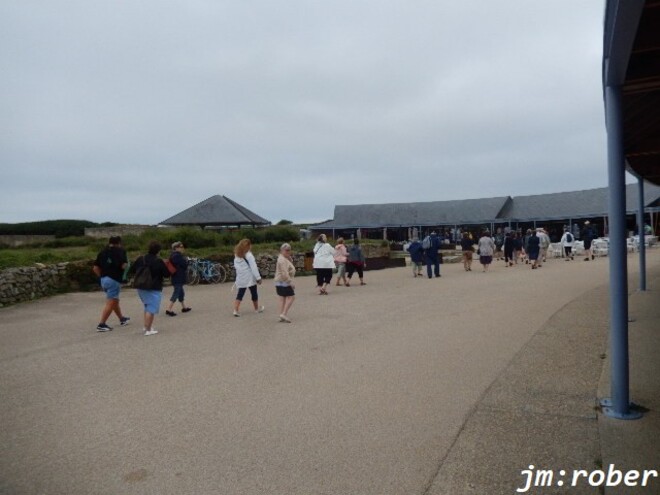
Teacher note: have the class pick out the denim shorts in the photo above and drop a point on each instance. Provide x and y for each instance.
(111, 287)
(151, 300)
(178, 293)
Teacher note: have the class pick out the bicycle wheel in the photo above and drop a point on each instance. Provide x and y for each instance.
(214, 274)
(221, 270)
(192, 275)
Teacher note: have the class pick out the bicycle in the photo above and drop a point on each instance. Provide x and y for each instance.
(205, 271)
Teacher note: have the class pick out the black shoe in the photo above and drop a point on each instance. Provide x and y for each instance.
(170, 313)
(185, 310)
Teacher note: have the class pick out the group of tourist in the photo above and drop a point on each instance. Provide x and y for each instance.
(532, 248)
(149, 270)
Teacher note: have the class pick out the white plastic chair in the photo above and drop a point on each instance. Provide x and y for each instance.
(600, 247)
(555, 250)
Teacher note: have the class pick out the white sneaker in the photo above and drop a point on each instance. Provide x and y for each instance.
(284, 319)
(236, 313)
(153, 331)
(260, 310)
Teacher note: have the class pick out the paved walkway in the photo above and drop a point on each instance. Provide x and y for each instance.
(403, 386)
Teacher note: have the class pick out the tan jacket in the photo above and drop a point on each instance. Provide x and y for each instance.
(284, 270)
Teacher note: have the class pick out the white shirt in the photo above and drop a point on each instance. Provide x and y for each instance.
(324, 255)
(247, 272)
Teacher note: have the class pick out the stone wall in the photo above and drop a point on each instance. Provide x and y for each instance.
(120, 230)
(27, 283)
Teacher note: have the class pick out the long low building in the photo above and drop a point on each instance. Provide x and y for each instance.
(398, 221)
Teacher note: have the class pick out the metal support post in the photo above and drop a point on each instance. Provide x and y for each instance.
(619, 404)
(642, 237)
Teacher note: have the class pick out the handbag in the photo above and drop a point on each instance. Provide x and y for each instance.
(170, 266)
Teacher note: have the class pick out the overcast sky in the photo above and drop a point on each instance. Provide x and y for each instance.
(132, 111)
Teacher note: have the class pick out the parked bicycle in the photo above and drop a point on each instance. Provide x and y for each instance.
(205, 271)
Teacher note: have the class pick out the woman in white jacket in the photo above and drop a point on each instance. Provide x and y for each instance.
(247, 275)
(324, 263)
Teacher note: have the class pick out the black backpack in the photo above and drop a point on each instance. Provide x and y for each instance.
(569, 237)
(143, 278)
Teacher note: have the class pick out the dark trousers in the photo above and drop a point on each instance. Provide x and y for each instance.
(253, 293)
(351, 268)
(432, 266)
(323, 276)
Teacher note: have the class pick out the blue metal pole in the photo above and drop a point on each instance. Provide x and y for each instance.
(619, 405)
(642, 238)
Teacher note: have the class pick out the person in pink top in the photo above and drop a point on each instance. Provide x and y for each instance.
(341, 256)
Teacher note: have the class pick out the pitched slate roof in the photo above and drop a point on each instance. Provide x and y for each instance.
(419, 214)
(556, 206)
(216, 210)
(574, 204)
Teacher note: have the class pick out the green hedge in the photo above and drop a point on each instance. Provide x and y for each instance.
(58, 228)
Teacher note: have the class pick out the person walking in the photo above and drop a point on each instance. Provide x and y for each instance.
(431, 246)
(285, 271)
(467, 248)
(517, 247)
(416, 257)
(526, 238)
(180, 263)
(324, 263)
(544, 244)
(499, 244)
(508, 249)
(356, 262)
(110, 266)
(486, 248)
(567, 242)
(150, 290)
(533, 249)
(341, 256)
(588, 236)
(247, 275)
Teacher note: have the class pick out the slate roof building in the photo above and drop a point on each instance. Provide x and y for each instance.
(394, 221)
(216, 211)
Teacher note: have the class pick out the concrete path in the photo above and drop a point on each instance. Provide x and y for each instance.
(371, 390)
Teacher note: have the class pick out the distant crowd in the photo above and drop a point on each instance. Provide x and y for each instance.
(514, 247)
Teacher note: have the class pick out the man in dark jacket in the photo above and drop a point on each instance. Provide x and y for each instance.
(588, 235)
(432, 257)
(109, 267)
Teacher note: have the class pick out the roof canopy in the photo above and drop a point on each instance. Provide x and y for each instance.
(557, 206)
(574, 204)
(631, 60)
(216, 211)
(428, 213)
